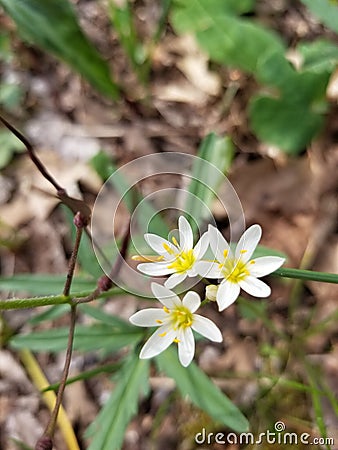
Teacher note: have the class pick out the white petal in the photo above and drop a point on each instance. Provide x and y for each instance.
(175, 279)
(167, 297)
(263, 266)
(227, 293)
(218, 244)
(255, 287)
(186, 346)
(208, 269)
(148, 317)
(248, 242)
(156, 243)
(192, 301)
(201, 246)
(207, 328)
(155, 269)
(158, 342)
(186, 236)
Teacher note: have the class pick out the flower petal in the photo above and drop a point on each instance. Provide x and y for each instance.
(207, 328)
(155, 269)
(201, 246)
(208, 269)
(175, 279)
(167, 297)
(156, 243)
(255, 287)
(263, 266)
(192, 301)
(227, 293)
(218, 244)
(186, 346)
(158, 342)
(186, 236)
(148, 317)
(248, 242)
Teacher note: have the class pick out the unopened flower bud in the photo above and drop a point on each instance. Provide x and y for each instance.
(211, 292)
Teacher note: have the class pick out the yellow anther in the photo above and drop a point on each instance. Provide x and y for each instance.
(165, 309)
(243, 251)
(225, 253)
(252, 262)
(147, 258)
(163, 334)
(175, 241)
(177, 341)
(159, 321)
(168, 248)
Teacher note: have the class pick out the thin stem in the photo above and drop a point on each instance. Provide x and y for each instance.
(72, 261)
(310, 275)
(53, 418)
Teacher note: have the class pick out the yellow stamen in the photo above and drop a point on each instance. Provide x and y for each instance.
(177, 340)
(166, 310)
(159, 321)
(168, 248)
(235, 271)
(225, 253)
(252, 262)
(243, 251)
(181, 317)
(163, 334)
(183, 261)
(147, 258)
(175, 241)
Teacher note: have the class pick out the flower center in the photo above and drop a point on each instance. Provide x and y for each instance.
(234, 270)
(183, 261)
(181, 317)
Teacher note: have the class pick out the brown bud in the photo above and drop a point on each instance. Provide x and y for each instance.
(80, 221)
(104, 283)
(44, 443)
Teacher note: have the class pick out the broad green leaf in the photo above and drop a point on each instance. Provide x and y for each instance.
(44, 284)
(319, 56)
(207, 176)
(325, 10)
(194, 384)
(53, 26)
(108, 429)
(284, 123)
(226, 38)
(93, 337)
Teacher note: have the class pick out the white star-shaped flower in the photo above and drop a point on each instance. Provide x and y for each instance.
(238, 270)
(177, 259)
(175, 320)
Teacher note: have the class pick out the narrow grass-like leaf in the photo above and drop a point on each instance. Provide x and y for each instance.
(108, 429)
(93, 337)
(43, 284)
(53, 26)
(51, 313)
(106, 318)
(201, 391)
(216, 155)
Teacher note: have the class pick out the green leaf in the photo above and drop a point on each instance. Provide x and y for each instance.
(201, 391)
(105, 318)
(87, 338)
(226, 38)
(9, 144)
(261, 250)
(43, 284)
(108, 429)
(11, 96)
(284, 123)
(319, 56)
(325, 10)
(216, 155)
(51, 313)
(53, 26)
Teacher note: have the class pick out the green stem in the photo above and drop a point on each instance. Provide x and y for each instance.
(21, 303)
(299, 274)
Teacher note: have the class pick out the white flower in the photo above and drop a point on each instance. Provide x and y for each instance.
(175, 320)
(238, 270)
(176, 259)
